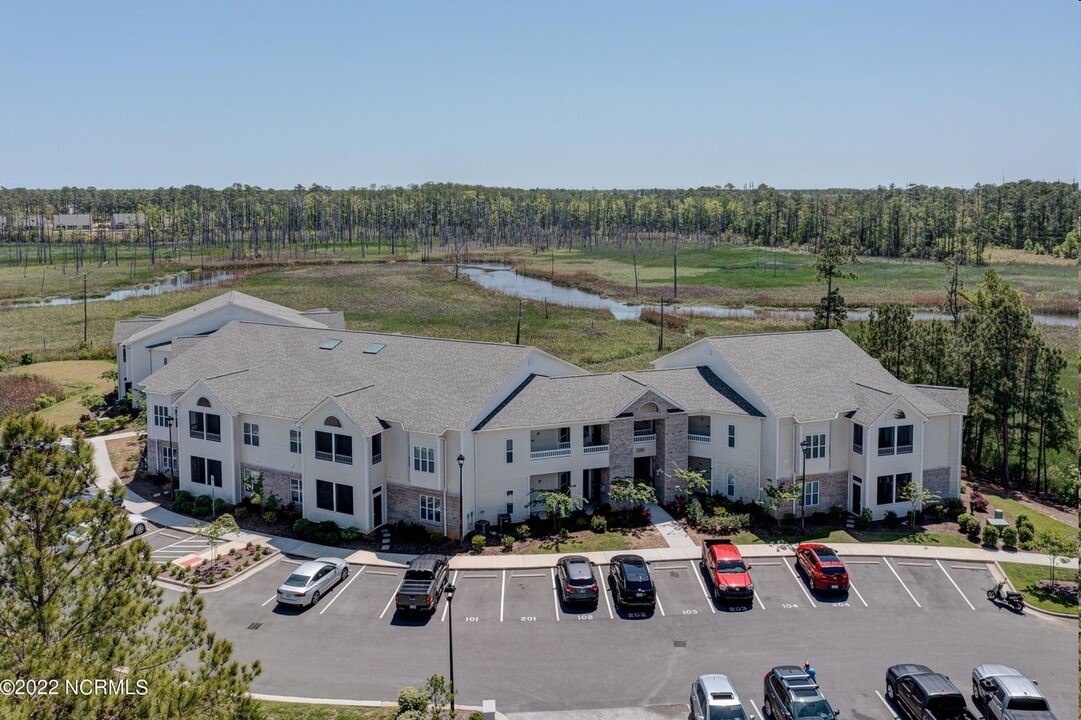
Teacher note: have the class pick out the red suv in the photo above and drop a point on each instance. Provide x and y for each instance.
(824, 570)
(727, 572)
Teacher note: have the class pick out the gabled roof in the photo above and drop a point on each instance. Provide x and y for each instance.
(426, 384)
(812, 375)
(872, 403)
(271, 311)
(124, 329)
(955, 400)
(544, 401)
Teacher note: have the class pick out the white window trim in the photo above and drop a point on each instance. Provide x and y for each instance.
(423, 459)
(813, 490)
(296, 491)
(431, 509)
(251, 434)
(296, 441)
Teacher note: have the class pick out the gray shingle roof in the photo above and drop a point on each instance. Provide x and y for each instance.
(544, 401)
(812, 375)
(871, 403)
(272, 311)
(426, 384)
(953, 399)
(124, 329)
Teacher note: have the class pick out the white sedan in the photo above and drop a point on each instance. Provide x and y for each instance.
(312, 580)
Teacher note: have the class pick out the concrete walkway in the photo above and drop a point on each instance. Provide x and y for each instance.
(672, 532)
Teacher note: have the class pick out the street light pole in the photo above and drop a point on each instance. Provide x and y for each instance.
(450, 628)
(804, 446)
(461, 501)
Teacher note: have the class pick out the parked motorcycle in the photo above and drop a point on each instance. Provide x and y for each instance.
(1013, 600)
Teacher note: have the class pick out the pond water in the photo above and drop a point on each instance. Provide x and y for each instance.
(183, 281)
(508, 282)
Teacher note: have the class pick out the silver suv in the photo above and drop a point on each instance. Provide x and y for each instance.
(714, 698)
(791, 694)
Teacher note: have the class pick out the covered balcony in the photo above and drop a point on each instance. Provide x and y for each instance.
(698, 428)
(550, 443)
(595, 439)
(644, 432)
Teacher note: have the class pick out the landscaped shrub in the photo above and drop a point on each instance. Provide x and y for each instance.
(580, 522)
(599, 523)
(327, 533)
(220, 506)
(865, 518)
(507, 542)
(977, 503)
(967, 524)
(411, 699)
(695, 512)
(203, 505)
(837, 514)
(436, 538)
(1025, 533)
(523, 532)
(90, 427)
(303, 528)
(724, 523)
(1024, 520)
(989, 536)
(43, 401)
(27, 358)
(240, 512)
(1009, 537)
(476, 715)
(411, 715)
(890, 519)
(951, 508)
(478, 542)
(271, 502)
(350, 533)
(270, 517)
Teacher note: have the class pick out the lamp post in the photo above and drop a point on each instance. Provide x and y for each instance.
(450, 628)
(804, 446)
(461, 503)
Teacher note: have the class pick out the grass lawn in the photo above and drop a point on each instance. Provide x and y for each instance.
(840, 536)
(78, 378)
(124, 456)
(305, 711)
(587, 543)
(1024, 577)
(1042, 523)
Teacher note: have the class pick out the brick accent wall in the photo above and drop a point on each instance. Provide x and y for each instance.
(832, 490)
(403, 503)
(153, 457)
(621, 448)
(672, 452)
(274, 481)
(937, 480)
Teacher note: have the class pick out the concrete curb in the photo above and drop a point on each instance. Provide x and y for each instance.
(236, 578)
(357, 703)
(1050, 613)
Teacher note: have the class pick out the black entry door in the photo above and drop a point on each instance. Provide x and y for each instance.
(857, 497)
(643, 469)
(377, 507)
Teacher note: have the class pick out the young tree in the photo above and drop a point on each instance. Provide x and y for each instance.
(694, 482)
(1059, 548)
(631, 492)
(558, 505)
(215, 533)
(779, 495)
(92, 611)
(918, 496)
(439, 694)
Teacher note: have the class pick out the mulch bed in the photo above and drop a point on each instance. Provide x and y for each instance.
(227, 565)
(1062, 588)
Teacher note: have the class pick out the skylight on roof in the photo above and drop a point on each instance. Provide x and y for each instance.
(373, 348)
(330, 344)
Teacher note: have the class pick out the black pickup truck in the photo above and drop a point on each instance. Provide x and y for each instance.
(922, 694)
(424, 581)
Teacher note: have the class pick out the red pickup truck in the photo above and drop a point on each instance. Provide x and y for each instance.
(727, 572)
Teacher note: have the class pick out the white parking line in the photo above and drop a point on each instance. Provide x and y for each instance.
(907, 563)
(446, 605)
(861, 562)
(168, 534)
(159, 531)
(657, 597)
(887, 561)
(502, 594)
(669, 567)
(968, 567)
(392, 597)
(607, 601)
(886, 703)
(272, 599)
(344, 588)
(853, 586)
(970, 607)
(555, 593)
(800, 583)
(518, 575)
(701, 584)
(382, 572)
(759, 600)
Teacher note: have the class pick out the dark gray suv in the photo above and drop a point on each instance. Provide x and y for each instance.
(791, 694)
(576, 580)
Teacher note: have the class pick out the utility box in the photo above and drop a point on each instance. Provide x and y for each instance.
(489, 709)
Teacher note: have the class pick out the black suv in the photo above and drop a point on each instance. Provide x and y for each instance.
(630, 581)
(791, 694)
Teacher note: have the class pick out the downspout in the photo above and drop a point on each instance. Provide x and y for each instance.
(442, 445)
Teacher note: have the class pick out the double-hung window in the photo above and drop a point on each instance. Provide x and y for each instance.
(731, 436)
(423, 459)
(904, 439)
(857, 438)
(294, 441)
(377, 449)
(431, 509)
(251, 434)
(886, 441)
(510, 450)
(296, 491)
(168, 459)
(336, 497)
(810, 493)
(816, 446)
(161, 416)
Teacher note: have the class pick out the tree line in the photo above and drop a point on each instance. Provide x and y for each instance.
(1016, 414)
(916, 221)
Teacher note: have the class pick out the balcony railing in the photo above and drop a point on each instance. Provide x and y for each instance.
(902, 449)
(213, 437)
(377, 458)
(645, 437)
(321, 455)
(561, 450)
(698, 438)
(589, 449)
(197, 434)
(344, 459)
(885, 451)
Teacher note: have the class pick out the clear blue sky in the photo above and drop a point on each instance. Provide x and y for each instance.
(586, 94)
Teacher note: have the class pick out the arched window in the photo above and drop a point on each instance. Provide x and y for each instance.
(899, 414)
(202, 402)
(332, 421)
(648, 408)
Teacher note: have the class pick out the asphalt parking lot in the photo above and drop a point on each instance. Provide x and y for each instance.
(517, 642)
(168, 544)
